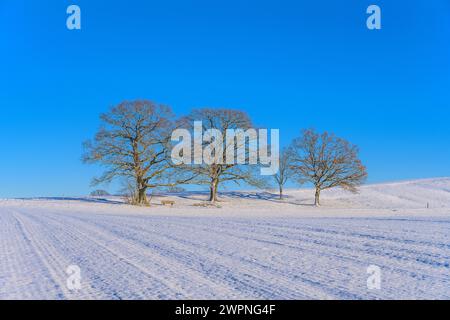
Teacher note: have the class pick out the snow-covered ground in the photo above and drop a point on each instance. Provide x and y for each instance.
(254, 246)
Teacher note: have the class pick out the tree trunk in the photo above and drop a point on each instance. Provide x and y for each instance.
(142, 197)
(281, 192)
(213, 190)
(317, 198)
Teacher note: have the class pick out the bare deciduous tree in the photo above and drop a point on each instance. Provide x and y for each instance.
(219, 170)
(327, 162)
(283, 173)
(133, 143)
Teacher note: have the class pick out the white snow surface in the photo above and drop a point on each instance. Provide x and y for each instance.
(253, 246)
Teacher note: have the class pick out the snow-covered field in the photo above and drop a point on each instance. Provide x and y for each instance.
(253, 246)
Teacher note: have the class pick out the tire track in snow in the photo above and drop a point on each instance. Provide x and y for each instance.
(243, 269)
(392, 268)
(136, 256)
(115, 265)
(413, 270)
(167, 262)
(41, 250)
(23, 273)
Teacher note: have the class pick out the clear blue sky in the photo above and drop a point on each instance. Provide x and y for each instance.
(289, 64)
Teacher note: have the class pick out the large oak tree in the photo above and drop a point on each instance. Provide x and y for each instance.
(219, 170)
(326, 161)
(133, 142)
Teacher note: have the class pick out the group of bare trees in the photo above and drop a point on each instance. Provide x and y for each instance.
(134, 143)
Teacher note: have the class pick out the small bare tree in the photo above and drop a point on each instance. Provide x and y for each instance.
(283, 174)
(327, 162)
(133, 143)
(219, 170)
